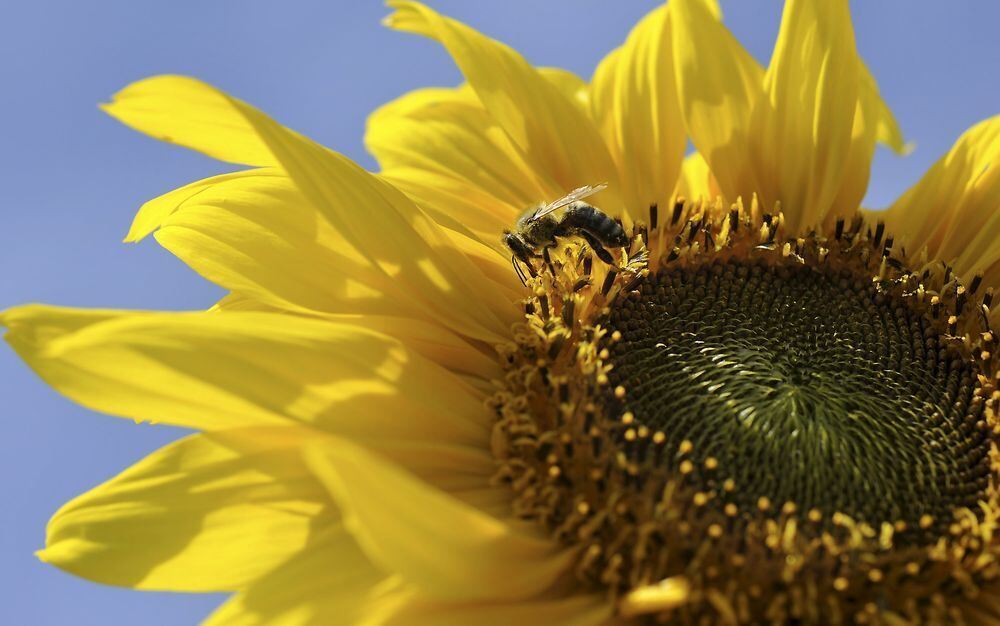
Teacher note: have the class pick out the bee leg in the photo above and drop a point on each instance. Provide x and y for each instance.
(599, 250)
(548, 261)
(531, 268)
(526, 260)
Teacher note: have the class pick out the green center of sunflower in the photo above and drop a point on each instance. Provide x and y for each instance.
(808, 385)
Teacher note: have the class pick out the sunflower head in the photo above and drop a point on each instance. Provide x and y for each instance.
(720, 393)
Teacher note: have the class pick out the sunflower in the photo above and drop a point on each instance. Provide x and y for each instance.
(745, 400)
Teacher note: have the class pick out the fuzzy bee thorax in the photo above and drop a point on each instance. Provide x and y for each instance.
(538, 232)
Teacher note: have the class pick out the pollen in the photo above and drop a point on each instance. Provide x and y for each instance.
(800, 429)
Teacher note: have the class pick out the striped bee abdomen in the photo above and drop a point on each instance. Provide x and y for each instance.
(580, 216)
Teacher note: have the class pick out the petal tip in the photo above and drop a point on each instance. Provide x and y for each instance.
(407, 16)
(135, 234)
(17, 318)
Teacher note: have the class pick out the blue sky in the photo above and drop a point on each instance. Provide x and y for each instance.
(72, 179)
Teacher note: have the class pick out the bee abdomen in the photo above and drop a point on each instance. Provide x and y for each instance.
(582, 216)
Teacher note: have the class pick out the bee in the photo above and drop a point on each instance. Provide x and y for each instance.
(536, 230)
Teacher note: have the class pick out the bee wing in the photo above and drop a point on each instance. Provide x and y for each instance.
(577, 194)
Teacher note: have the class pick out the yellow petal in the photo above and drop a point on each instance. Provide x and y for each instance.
(873, 123)
(383, 225)
(696, 181)
(442, 148)
(803, 128)
(336, 585)
(887, 130)
(211, 512)
(938, 204)
(577, 610)
(459, 470)
(255, 234)
(602, 100)
(493, 260)
(431, 341)
(973, 245)
(177, 109)
(392, 232)
(556, 134)
(719, 85)
(331, 583)
(242, 303)
(477, 364)
(574, 88)
(636, 105)
(447, 548)
(228, 369)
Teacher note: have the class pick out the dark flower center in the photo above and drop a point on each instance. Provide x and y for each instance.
(808, 386)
